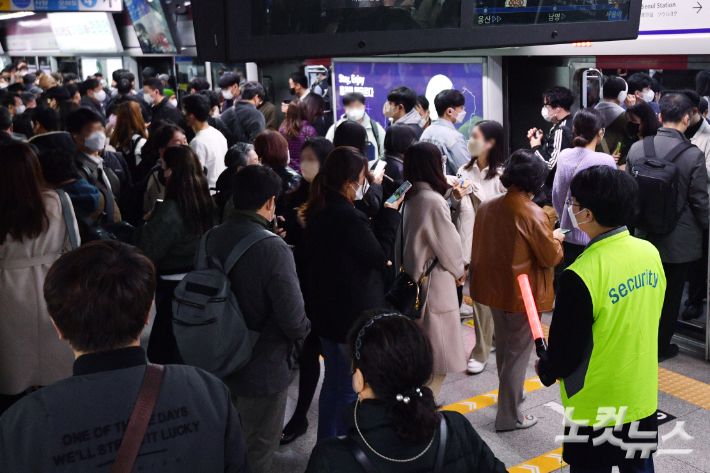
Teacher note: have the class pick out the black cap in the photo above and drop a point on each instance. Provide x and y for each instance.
(227, 80)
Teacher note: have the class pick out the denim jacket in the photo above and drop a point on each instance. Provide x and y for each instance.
(450, 142)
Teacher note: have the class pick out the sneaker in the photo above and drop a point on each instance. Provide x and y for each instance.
(466, 310)
(672, 352)
(692, 312)
(525, 393)
(493, 349)
(475, 367)
(528, 422)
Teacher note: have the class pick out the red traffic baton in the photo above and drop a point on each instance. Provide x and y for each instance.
(533, 318)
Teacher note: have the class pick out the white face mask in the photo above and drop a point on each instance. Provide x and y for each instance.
(100, 95)
(475, 147)
(388, 110)
(215, 112)
(172, 103)
(149, 99)
(361, 190)
(103, 82)
(649, 96)
(460, 116)
(545, 115)
(355, 114)
(20, 110)
(95, 141)
(423, 122)
(227, 94)
(573, 216)
(3, 85)
(309, 169)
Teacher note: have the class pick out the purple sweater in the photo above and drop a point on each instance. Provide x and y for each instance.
(294, 146)
(569, 163)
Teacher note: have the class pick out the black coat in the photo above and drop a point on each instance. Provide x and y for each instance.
(394, 176)
(345, 262)
(163, 111)
(465, 451)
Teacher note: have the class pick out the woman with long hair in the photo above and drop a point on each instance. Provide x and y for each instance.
(315, 114)
(129, 135)
(33, 234)
(477, 181)
(430, 242)
(296, 129)
(313, 156)
(643, 122)
(171, 237)
(397, 139)
(343, 273)
(273, 150)
(395, 415)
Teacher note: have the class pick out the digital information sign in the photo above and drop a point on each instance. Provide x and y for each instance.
(535, 12)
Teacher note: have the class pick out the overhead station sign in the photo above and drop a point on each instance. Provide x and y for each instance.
(61, 5)
(675, 17)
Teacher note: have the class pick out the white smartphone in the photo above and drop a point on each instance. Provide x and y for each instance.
(379, 166)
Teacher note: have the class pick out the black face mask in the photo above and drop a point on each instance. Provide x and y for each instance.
(292, 90)
(633, 129)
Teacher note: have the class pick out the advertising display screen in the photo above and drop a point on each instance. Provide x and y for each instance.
(151, 26)
(375, 79)
(533, 12)
(61, 5)
(84, 32)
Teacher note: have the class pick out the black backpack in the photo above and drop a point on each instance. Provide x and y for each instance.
(657, 208)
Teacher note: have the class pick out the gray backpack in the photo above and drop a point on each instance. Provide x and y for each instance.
(208, 324)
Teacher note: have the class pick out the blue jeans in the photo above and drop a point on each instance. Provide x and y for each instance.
(629, 466)
(337, 391)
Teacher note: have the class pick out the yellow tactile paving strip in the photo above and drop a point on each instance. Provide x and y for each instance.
(546, 463)
(682, 387)
(488, 399)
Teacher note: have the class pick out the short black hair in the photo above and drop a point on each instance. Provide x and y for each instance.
(28, 97)
(99, 295)
(613, 86)
(164, 135)
(320, 146)
(123, 86)
(639, 81)
(98, 74)
(117, 74)
(299, 78)
(703, 107)
(423, 102)
(702, 83)
(128, 75)
(70, 76)
(674, 107)
(607, 192)
(47, 117)
(16, 87)
(252, 89)
(238, 155)
(525, 170)
(29, 79)
(58, 166)
(198, 83)
(228, 79)
(656, 85)
(148, 72)
(88, 84)
(212, 96)
(72, 89)
(5, 119)
(647, 116)
(253, 186)
(8, 98)
(155, 84)
(353, 97)
(402, 95)
(693, 96)
(197, 105)
(558, 97)
(399, 137)
(446, 99)
(350, 133)
(82, 116)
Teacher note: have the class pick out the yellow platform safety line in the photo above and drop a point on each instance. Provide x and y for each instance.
(488, 399)
(683, 387)
(551, 461)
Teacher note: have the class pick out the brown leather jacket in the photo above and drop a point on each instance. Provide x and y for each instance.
(513, 236)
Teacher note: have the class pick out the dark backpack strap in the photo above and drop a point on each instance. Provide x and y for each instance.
(202, 251)
(140, 417)
(243, 246)
(359, 454)
(679, 149)
(376, 134)
(440, 453)
(648, 148)
(67, 211)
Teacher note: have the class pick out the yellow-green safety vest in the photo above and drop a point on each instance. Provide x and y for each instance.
(627, 284)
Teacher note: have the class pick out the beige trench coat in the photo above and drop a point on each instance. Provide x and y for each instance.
(31, 353)
(430, 233)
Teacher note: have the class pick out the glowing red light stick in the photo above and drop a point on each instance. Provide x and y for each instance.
(533, 318)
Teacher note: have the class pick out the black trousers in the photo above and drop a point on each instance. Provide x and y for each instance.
(675, 283)
(162, 347)
(698, 277)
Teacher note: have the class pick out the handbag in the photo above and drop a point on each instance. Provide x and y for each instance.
(140, 418)
(405, 294)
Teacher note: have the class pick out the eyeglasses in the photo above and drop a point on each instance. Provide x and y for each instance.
(570, 202)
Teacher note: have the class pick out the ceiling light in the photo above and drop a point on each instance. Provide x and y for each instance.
(17, 14)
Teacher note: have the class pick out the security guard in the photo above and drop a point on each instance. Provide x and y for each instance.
(603, 333)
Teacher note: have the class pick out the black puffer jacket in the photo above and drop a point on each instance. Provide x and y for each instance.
(466, 452)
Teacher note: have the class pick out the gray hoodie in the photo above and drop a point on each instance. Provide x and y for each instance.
(412, 118)
(610, 110)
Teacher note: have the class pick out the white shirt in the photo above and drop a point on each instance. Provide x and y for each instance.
(305, 94)
(99, 163)
(211, 146)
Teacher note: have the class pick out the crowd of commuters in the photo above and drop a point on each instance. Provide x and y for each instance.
(111, 201)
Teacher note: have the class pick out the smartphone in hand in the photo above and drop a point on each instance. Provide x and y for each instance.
(406, 185)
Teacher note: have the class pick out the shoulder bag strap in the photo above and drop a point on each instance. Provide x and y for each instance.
(140, 417)
(244, 245)
(648, 148)
(440, 453)
(67, 211)
(401, 240)
(359, 455)
(202, 251)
